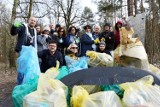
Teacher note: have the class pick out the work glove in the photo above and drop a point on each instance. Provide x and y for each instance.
(96, 41)
(103, 39)
(17, 24)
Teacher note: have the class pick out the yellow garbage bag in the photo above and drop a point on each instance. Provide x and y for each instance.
(81, 98)
(50, 92)
(155, 70)
(141, 93)
(99, 59)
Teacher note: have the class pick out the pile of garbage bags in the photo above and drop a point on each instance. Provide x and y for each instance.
(51, 92)
(46, 89)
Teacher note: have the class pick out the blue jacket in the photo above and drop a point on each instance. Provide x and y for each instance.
(68, 41)
(86, 44)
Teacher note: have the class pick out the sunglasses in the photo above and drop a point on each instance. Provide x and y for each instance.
(74, 47)
(61, 31)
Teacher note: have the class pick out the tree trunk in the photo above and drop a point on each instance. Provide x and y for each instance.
(135, 7)
(142, 7)
(30, 8)
(153, 37)
(12, 55)
(130, 7)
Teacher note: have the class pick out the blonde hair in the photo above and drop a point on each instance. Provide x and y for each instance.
(71, 45)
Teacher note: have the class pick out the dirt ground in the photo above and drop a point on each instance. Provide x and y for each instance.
(7, 83)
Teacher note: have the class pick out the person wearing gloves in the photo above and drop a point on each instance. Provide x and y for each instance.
(108, 37)
(27, 34)
(88, 42)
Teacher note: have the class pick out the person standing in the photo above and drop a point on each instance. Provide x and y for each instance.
(43, 39)
(108, 37)
(88, 41)
(61, 39)
(27, 34)
(38, 29)
(118, 25)
(96, 31)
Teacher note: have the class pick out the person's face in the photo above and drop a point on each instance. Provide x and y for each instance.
(57, 28)
(102, 47)
(61, 31)
(107, 28)
(52, 47)
(119, 25)
(32, 21)
(74, 49)
(46, 32)
(51, 26)
(97, 29)
(88, 29)
(73, 31)
(38, 28)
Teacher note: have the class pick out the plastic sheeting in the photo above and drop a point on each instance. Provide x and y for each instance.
(134, 56)
(99, 59)
(22, 90)
(28, 64)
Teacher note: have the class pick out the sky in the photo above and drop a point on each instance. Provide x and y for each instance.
(82, 4)
(89, 4)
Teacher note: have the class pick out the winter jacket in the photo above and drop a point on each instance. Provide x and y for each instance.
(109, 40)
(49, 60)
(68, 41)
(86, 44)
(42, 42)
(23, 37)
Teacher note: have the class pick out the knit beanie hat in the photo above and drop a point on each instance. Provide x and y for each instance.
(102, 43)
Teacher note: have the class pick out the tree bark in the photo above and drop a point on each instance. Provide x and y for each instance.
(153, 37)
(12, 54)
(30, 8)
(130, 7)
(135, 7)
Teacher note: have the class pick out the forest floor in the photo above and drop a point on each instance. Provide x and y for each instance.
(7, 83)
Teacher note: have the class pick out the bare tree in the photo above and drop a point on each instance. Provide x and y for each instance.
(30, 8)
(135, 7)
(69, 12)
(130, 7)
(152, 42)
(12, 55)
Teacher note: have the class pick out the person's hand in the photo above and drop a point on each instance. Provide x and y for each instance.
(103, 39)
(96, 41)
(17, 24)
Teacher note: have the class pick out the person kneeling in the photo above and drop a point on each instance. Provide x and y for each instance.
(50, 56)
(102, 48)
(73, 62)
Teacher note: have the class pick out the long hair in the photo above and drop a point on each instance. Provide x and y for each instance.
(64, 32)
(116, 27)
(70, 28)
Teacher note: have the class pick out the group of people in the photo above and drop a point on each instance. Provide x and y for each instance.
(52, 43)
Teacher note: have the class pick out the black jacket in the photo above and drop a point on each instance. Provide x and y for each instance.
(49, 60)
(22, 36)
(105, 51)
(109, 40)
